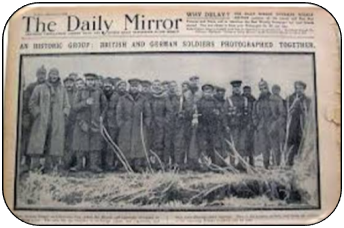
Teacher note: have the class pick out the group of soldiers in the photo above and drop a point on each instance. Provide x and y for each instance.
(152, 124)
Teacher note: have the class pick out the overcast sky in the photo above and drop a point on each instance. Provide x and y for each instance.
(218, 69)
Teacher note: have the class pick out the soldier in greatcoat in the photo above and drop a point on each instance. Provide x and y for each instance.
(90, 104)
(298, 105)
(49, 108)
(179, 121)
(161, 109)
(247, 92)
(235, 121)
(69, 84)
(111, 124)
(27, 120)
(268, 117)
(133, 116)
(220, 144)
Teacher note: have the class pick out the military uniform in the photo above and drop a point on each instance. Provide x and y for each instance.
(89, 106)
(298, 108)
(209, 116)
(236, 121)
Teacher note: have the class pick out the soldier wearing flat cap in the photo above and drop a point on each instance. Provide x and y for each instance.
(236, 121)
(27, 119)
(208, 117)
(298, 105)
(90, 104)
(133, 118)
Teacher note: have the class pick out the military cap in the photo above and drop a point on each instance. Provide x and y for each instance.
(276, 87)
(262, 83)
(41, 70)
(90, 76)
(73, 74)
(247, 87)
(134, 82)
(185, 83)
(68, 79)
(108, 80)
(115, 80)
(236, 83)
(146, 83)
(220, 89)
(165, 82)
(79, 79)
(301, 83)
(207, 86)
(54, 71)
(120, 82)
(192, 78)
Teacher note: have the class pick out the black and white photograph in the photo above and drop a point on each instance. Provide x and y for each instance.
(167, 131)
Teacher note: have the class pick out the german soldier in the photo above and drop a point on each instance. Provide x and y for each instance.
(27, 119)
(49, 107)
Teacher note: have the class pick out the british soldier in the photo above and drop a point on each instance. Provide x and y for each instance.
(236, 119)
(90, 104)
(209, 117)
(49, 107)
(298, 105)
(133, 116)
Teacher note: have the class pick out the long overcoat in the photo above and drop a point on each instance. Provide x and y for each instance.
(49, 107)
(269, 119)
(87, 136)
(133, 117)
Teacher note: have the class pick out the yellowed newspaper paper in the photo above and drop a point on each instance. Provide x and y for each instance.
(182, 114)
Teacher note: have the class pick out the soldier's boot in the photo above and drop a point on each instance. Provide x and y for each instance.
(95, 161)
(251, 160)
(266, 159)
(109, 160)
(79, 161)
(35, 164)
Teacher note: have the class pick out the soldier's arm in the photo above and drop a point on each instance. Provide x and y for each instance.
(147, 114)
(103, 104)
(66, 103)
(120, 112)
(34, 102)
(79, 103)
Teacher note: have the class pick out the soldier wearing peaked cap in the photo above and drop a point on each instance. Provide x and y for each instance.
(236, 121)
(208, 117)
(27, 119)
(90, 104)
(133, 116)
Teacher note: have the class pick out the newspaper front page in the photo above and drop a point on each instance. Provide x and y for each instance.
(172, 115)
